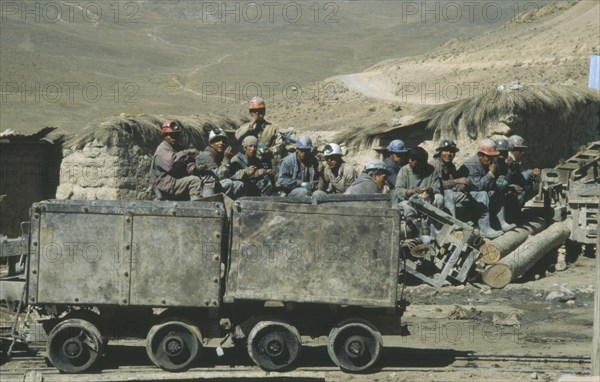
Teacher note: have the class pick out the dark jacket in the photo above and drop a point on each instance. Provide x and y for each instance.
(394, 168)
(408, 179)
(480, 177)
(215, 162)
(291, 174)
(448, 173)
(169, 164)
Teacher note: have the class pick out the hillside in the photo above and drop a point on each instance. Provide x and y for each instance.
(549, 45)
(65, 64)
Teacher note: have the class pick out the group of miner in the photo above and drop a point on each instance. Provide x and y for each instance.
(490, 187)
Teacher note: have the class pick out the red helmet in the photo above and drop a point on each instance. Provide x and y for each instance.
(170, 127)
(257, 103)
(488, 147)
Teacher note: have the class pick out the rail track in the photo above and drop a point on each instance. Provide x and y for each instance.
(130, 364)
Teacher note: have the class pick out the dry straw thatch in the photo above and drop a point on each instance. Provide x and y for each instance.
(110, 159)
(478, 115)
(555, 120)
(144, 130)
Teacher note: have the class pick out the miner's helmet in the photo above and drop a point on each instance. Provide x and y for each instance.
(503, 144)
(517, 142)
(332, 149)
(488, 147)
(304, 143)
(216, 134)
(376, 165)
(171, 127)
(446, 145)
(397, 146)
(257, 104)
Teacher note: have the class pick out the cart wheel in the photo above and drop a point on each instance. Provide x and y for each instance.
(354, 345)
(174, 345)
(273, 345)
(74, 345)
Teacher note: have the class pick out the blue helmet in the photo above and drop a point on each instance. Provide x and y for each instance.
(304, 143)
(397, 146)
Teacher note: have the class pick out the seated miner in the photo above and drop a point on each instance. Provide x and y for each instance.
(298, 174)
(482, 172)
(247, 168)
(217, 160)
(336, 175)
(418, 182)
(527, 179)
(454, 186)
(398, 157)
(372, 180)
(174, 170)
(271, 147)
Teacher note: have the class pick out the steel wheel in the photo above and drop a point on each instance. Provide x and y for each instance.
(354, 345)
(273, 345)
(174, 345)
(74, 345)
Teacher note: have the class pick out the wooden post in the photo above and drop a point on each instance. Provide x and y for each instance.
(526, 255)
(596, 333)
(493, 250)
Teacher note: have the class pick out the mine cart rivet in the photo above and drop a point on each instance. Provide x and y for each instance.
(36, 216)
(37, 208)
(76, 299)
(206, 302)
(217, 258)
(214, 303)
(218, 235)
(33, 299)
(216, 280)
(127, 246)
(173, 212)
(34, 272)
(85, 209)
(128, 220)
(124, 301)
(164, 302)
(126, 274)
(35, 243)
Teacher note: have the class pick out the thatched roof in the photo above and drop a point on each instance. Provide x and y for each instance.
(479, 114)
(144, 130)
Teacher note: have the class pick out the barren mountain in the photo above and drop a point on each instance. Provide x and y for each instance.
(65, 64)
(550, 44)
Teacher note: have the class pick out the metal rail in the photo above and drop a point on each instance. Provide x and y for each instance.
(33, 367)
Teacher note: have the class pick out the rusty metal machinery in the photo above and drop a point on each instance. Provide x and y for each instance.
(273, 268)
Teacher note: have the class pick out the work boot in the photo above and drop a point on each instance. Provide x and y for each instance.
(195, 198)
(505, 226)
(485, 230)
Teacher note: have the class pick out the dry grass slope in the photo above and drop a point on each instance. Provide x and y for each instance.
(144, 130)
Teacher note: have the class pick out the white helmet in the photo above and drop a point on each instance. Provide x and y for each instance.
(216, 133)
(376, 164)
(517, 141)
(332, 149)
